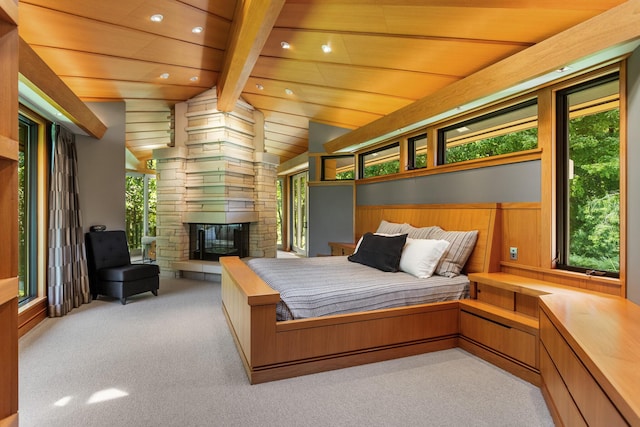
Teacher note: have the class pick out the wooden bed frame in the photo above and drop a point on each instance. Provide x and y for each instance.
(272, 350)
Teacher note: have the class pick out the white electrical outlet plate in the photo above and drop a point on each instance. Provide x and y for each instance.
(513, 253)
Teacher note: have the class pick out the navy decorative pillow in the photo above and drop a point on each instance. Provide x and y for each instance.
(381, 252)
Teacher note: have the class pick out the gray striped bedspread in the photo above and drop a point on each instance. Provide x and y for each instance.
(321, 286)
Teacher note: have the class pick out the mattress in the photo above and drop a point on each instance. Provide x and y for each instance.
(322, 286)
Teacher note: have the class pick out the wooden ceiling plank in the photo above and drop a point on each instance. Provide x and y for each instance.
(578, 42)
(45, 82)
(251, 27)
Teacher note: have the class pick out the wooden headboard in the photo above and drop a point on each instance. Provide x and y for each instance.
(484, 217)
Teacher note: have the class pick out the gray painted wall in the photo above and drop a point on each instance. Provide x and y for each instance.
(330, 217)
(101, 169)
(633, 178)
(330, 206)
(518, 182)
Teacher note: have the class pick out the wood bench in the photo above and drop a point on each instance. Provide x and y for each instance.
(582, 348)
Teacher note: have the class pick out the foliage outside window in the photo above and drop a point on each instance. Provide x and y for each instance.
(140, 215)
(508, 130)
(589, 177)
(381, 161)
(279, 211)
(27, 208)
(417, 148)
(336, 168)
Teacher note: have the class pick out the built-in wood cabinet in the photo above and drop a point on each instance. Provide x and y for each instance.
(589, 353)
(341, 249)
(500, 324)
(9, 41)
(581, 347)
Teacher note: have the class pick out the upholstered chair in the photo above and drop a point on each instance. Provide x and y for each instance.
(111, 272)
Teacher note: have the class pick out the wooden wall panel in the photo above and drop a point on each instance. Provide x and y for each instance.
(521, 229)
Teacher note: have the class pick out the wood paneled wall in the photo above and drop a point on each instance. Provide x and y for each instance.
(8, 214)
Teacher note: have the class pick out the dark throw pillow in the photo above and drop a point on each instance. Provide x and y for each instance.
(381, 252)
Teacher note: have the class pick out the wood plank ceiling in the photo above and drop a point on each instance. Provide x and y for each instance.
(384, 54)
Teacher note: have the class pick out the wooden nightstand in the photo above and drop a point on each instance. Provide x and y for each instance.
(341, 249)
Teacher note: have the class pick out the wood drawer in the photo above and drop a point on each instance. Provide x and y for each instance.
(510, 341)
(593, 403)
(562, 401)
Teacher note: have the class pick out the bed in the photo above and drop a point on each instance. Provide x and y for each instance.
(271, 349)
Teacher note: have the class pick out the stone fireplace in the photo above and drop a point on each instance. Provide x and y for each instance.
(215, 174)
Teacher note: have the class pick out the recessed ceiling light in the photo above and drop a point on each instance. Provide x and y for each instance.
(288, 91)
(157, 18)
(194, 78)
(285, 45)
(164, 75)
(197, 30)
(259, 86)
(326, 48)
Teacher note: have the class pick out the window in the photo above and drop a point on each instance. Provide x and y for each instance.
(588, 177)
(279, 212)
(381, 161)
(34, 141)
(27, 225)
(417, 147)
(299, 209)
(508, 130)
(335, 168)
(140, 216)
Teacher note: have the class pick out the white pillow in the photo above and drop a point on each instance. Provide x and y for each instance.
(421, 256)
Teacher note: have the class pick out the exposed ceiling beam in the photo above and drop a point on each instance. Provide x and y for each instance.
(252, 25)
(614, 27)
(50, 87)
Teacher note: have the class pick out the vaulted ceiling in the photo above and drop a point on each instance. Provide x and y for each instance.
(384, 54)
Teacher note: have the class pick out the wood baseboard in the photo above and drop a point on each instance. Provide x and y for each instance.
(305, 367)
(30, 317)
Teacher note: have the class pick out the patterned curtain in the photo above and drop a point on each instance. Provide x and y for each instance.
(67, 275)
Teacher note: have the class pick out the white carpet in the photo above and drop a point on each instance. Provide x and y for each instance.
(170, 361)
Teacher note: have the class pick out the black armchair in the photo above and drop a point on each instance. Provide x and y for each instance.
(110, 270)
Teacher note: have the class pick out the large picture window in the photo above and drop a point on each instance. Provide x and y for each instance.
(508, 130)
(588, 177)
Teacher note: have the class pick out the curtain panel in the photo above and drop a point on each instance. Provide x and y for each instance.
(67, 273)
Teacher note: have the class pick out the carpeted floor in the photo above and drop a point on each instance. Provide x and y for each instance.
(170, 361)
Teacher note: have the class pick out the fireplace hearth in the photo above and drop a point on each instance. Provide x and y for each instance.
(208, 242)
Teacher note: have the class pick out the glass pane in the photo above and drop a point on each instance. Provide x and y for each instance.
(419, 146)
(279, 210)
(134, 219)
(338, 168)
(27, 208)
(384, 161)
(594, 178)
(22, 216)
(506, 131)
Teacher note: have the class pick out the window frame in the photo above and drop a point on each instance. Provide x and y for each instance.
(441, 151)
(562, 214)
(322, 167)
(361, 159)
(411, 151)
